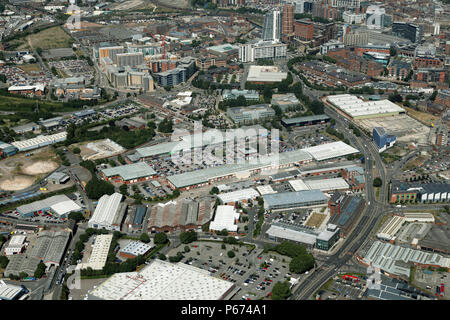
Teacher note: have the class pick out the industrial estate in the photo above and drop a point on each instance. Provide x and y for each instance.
(224, 150)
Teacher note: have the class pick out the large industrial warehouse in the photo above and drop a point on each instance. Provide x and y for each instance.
(294, 200)
(109, 212)
(181, 214)
(240, 195)
(40, 141)
(225, 218)
(395, 259)
(185, 181)
(129, 173)
(330, 150)
(60, 205)
(356, 108)
(99, 254)
(319, 184)
(163, 281)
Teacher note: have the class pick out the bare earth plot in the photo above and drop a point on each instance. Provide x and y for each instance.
(405, 128)
(19, 172)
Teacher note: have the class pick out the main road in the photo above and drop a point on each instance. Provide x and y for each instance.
(367, 221)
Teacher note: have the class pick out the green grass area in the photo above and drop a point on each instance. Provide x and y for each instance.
(412, 274)
(50, 38)
(18, 103)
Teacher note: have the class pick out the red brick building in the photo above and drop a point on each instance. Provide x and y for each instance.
(304, 30)
(287, 22)
(427, 62)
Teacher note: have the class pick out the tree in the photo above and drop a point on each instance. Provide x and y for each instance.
(281, 291)
(392, 51)
(231, 254)
(161, 256)
(3, 262)
(176, 258)
(96, 188)
(121, 160)
(395, 97)
(160, 238)
(433, 96)
(377, 182)
(188, 236)
(123, 189)
(40, 270)
(223, 232)
(214, 190)
(144, 237)
(76, 150)
(76, 216)
(186, 249)
(302, 263)
(165, 126)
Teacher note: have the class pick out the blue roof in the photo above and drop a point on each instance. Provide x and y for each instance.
(140, 215)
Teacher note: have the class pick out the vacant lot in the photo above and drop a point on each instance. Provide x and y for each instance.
(426, 118)
(51, 38)
(414, 163)
(19, 172)
(32, 67)
(315, 220)
(404, 127)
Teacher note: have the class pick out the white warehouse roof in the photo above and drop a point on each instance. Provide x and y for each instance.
(39, 141)
(328, 184)
(356, 107)
(99, 254)
(279, 231)
(107, 210)
(9, 291)
(163, 280)
(298, 185)
(238, 195)
(267, 189)
(225, 219)
(60, 204)
(265, 74)
(330, 150)
(136, 248)
(391, 227)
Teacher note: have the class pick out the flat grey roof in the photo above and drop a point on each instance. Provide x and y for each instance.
(130, 171)
(284, 198)
(203, 176)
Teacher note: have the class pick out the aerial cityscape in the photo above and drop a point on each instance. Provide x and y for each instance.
(233, 150)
